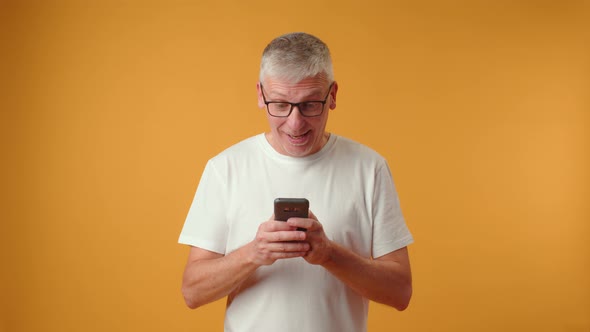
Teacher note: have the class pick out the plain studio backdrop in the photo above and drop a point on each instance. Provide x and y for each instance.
(110, 110)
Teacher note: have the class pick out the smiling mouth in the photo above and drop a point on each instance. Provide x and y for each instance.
(298, 139)
(298, 136)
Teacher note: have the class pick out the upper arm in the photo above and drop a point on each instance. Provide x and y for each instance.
(402, 276)
(199, 254)
(400, 254)
(196, 255)
(192, 277)
(401, 258)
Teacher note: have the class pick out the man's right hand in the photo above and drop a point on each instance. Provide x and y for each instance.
(209, 276)
(277, 240)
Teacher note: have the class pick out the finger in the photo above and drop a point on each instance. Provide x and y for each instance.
(286, 236)
(280, 236)
(285, 255)
(289, 247)
(305, 223)
(275, 226)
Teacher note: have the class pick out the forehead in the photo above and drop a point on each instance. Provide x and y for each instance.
(309, 87)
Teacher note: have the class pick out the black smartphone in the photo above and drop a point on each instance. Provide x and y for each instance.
(286, 208)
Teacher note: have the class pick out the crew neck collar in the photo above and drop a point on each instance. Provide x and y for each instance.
(285, 158)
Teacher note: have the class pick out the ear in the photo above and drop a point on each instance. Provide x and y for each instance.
(261, 104)
(333, 95)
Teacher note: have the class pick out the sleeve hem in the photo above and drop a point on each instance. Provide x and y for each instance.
(203, 244)
(392, 246)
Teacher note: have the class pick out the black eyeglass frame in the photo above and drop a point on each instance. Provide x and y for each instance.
(295, 104)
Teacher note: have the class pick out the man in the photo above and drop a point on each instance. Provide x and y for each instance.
(276, 277)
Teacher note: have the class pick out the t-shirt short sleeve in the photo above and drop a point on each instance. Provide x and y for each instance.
(206, 225)
(390, 231)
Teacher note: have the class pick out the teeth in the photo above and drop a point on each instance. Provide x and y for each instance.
(297, 136)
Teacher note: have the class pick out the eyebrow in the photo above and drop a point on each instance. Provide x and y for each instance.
(279, 95)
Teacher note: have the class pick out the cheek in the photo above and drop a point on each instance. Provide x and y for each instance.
(274, 122)
(322, 123)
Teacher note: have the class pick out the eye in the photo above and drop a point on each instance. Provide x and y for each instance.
(311, 106)
(281, 106)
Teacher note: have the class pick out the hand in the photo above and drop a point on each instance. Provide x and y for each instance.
(277, 240)
(320, 246)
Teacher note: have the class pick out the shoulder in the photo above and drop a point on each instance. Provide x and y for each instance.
(246, 147)
(353, 149)
(238, 157)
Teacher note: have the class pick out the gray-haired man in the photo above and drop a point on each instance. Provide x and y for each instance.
(276, 276)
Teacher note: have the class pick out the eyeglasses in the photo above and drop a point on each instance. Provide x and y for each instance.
(282, 109)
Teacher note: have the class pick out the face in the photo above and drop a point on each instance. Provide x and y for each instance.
(296, 135)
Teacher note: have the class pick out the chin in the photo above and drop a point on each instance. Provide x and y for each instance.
(297, 152)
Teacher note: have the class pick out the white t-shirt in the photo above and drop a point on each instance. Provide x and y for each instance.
(350, 191)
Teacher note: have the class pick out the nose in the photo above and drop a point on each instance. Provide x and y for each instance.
(295, 119)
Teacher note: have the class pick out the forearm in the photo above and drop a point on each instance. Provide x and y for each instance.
(386, 281)
(207, 280)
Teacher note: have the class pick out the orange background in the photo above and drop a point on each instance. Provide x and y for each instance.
(110, 110)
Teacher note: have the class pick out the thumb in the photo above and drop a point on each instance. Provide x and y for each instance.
(312, 216)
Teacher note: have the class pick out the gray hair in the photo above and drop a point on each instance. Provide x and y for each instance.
(296, 56)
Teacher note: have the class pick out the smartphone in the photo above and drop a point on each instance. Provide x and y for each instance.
(286, 208)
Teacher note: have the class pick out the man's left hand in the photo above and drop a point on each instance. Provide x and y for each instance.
(320, 245)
